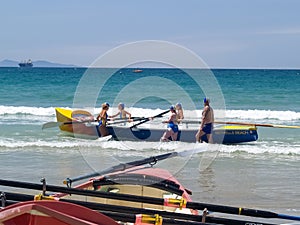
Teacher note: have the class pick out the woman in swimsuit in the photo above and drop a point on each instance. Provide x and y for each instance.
(172, 128)
(180, 115)
(122, 112)
(102, 119)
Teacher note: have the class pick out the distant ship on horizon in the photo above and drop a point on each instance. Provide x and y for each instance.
(25, 63)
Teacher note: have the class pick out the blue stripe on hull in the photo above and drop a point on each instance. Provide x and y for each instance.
(219, 136)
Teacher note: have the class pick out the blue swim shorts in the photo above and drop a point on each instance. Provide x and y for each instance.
(173, 126)
(207, 128)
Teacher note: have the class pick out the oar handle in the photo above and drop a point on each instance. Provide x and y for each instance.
(75, 121)
(147, 119)
(126, 120)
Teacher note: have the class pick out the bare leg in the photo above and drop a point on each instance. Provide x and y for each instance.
(174, 136)
(103, 131)
(199, 134)
(209, 138)
(166, 136)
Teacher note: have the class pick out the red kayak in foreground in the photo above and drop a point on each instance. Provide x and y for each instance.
(51, 213)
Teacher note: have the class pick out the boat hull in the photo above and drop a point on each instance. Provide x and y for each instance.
(223, 134)
(51, 212)
(138, 181)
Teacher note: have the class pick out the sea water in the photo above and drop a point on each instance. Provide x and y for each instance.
(262, 174)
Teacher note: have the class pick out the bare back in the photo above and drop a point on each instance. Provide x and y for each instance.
(207, 115)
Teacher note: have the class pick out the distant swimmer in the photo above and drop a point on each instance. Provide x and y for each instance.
(172, 128)
(122, 112)
(207, 122)
(102, 119)
(180, 115)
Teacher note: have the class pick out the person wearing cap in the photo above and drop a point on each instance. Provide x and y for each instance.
(172, 128)
(179, 110)
(122, 112)
(102, 119)
(207, 121)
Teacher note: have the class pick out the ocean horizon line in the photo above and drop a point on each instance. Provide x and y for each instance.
(141, 68)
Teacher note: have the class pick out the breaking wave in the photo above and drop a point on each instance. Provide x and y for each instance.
(8, 113)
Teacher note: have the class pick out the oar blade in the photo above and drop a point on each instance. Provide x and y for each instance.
(286, 126)
(258, 124)
(51, 125)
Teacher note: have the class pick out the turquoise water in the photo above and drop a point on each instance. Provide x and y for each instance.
(243, 89)
(28, 98)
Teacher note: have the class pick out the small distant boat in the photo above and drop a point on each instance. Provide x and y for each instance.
(137, 71)
(27, 63)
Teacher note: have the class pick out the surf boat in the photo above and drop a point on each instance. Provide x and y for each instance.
(73, 123)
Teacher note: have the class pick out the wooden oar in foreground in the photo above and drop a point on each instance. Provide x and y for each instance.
(167, 216)
(150, 200)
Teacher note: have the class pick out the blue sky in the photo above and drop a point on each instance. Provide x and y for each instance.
(224, 33)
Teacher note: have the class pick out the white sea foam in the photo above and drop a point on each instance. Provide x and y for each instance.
(146, 148)
(263, 115)
(26, 110)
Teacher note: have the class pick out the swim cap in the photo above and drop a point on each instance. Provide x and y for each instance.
(105, 104)
(206, 100)
(178, 105)
(172, 107)
(122, 105)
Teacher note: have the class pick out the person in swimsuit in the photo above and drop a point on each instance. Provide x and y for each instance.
(172, 128)
(180, 115)
(207, 122)
(102, 119)
(122, 112)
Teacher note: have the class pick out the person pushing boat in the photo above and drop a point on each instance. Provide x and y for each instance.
(207, 122)
(102, 119)
(172, 128)
(179, 116)
(122, 112)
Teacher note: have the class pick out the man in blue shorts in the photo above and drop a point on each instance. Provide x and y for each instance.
(207, 122)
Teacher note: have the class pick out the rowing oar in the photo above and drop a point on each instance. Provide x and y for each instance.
(147, 119)
(151, 200)
(119, 121)
(258, 124)
(57, 124)
(245, 124)
(124, 166)
(104, 208)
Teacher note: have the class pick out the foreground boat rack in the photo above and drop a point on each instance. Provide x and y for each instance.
(132, 214)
